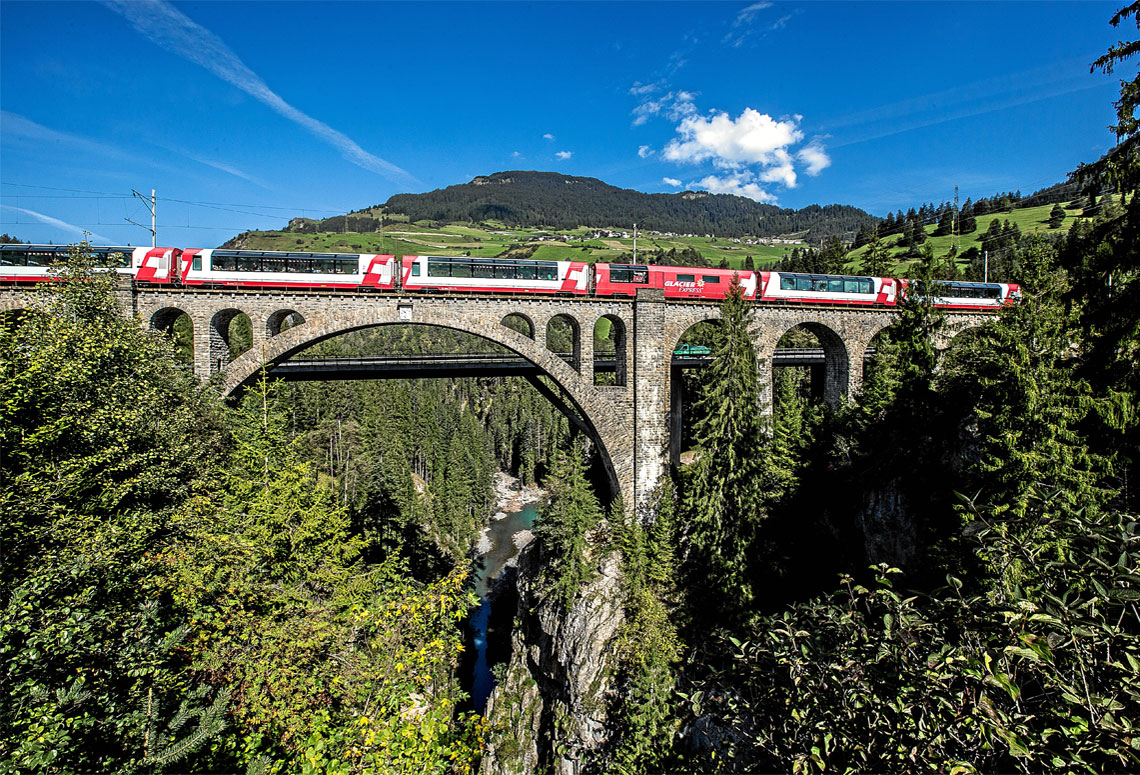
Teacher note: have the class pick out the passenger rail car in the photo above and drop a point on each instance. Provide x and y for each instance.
(501, 275)
(224, 268)
(277, 269)
(32, 263)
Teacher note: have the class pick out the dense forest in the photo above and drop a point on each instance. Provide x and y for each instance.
(549, 199)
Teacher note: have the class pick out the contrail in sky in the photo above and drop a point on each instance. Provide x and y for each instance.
(58, 223)
(173, 31)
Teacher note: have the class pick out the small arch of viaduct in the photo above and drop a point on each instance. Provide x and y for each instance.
(631, 421)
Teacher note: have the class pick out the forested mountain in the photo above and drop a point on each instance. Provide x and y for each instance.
(523, 198)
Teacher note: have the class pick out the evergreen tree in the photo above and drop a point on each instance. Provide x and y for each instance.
(1056, 216)
(1016, 373)
(722, 502)
(945, 223)
(564, 522)
(876, 261)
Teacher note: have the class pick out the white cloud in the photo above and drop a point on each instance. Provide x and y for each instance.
(516, 155)
(814, 158)
(641, 89)
(172, 30)
(58, 223)
(548, 136)
(644, 151)
(564, 155)
(674, 105)
(746, 15)
(671, 182)
(744, 27)
(752, 138)
(19, 127)
(780, 170)
(752, 149)
(738, 183)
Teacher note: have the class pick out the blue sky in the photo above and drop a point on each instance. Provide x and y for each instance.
(243, 115)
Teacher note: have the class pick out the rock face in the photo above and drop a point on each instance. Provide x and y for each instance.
(549, 712)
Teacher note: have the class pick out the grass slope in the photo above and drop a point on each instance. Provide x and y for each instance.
(493, 239)
(1029, 220)
(464, 239)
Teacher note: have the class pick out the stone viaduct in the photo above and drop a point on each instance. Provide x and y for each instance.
(631, 421)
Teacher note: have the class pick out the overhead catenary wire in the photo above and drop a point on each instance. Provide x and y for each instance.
(117, 195)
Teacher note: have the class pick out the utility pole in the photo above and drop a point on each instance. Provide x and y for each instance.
(152, 205)
(954, 217)
(986, 270)
(635, 242)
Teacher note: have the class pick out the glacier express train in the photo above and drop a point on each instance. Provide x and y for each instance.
(224, 268)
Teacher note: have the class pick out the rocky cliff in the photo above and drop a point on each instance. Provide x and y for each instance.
(549, 712)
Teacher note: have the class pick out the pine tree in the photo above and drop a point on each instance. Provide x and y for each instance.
(570, 513)
(723, 502)
(1016, 374)
(1056, 216)
(876, 261)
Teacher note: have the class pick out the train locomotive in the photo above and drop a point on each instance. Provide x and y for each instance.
(367, 272)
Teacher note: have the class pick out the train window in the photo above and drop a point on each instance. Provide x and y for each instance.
(710, 278)
(819, 284)
(196, 264)
(505, 271)
(835, 286)
(787, 283)
(483, 270)
(439, 269)
(621, 275)
(276, 265)
(686, 278)
(866, 286)
(851, 286)
(116, 258)
(528, 272)
(223, 263)
(548, 271)
(461, 269)
(415, 269)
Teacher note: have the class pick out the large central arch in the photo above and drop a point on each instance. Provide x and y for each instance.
(601, 419)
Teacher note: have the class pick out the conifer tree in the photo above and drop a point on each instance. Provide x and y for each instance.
(876, 261)
(563, 523)
(723, 503)
(1018, 378)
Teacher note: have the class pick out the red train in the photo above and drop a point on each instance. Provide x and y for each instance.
(376, 272)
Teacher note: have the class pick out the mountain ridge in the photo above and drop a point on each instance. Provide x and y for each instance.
(531, 198)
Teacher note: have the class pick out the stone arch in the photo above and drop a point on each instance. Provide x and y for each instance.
(13, 312)
(618, 334)
(282, 320)
(164, 320)
(220, 337)
(606, 426)
(955, 327)
(575, 359)
(520, 323)
(836, 366)
(13, 306)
